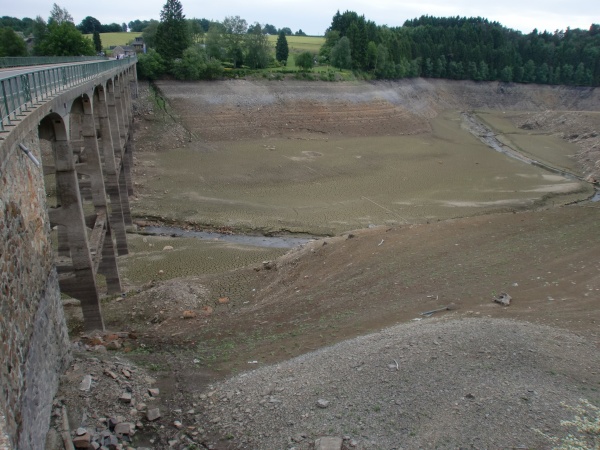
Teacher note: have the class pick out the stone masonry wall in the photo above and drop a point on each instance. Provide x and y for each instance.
(34, 347)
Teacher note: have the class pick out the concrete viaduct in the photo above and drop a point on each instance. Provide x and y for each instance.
(66, 151)
(86, 163)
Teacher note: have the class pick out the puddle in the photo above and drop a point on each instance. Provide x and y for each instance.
(242, 239)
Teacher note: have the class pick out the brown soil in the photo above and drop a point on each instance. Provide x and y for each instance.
(335, 289)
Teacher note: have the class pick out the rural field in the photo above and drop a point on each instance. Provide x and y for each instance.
(408, 197)
(110, 39)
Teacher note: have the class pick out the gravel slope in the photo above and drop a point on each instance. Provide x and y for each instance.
(471, 383)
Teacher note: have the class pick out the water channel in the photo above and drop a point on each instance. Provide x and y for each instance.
(257, 241)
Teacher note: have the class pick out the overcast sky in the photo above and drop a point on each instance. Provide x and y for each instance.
(314, 16)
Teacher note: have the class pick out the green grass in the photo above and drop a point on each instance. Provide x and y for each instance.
(299, 44)
(110, 39)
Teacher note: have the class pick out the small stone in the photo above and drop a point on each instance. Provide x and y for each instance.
(322, 403)
(167, 247)
(353, 443)
(113, 345)
(112, 423)
(154, 392)
(110, 374)
(177, 424)
(86, 383)
(223, 300)
(125, 397)
(140, 406)
(80, 431)
(82, 441)
(328, 443)
(188, 314)
(153, 414)
(124, 428)
(110, 442)
(126, 373)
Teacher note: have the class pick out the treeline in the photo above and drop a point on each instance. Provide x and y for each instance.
(58, 36)
(463, 48)
(194, 49)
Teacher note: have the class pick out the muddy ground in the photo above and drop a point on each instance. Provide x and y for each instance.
(334, 289)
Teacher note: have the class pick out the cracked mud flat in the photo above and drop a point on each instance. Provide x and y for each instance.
(480, 376)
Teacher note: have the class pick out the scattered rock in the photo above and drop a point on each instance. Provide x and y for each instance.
(322, 403)
(154, 392)
(328, 443)
(125, 397)
(268, 265)
(153, 414)
(86, 383)
(504, 299)
(223, 300)
(187, 314)
(82, 441)
(167, 247)
(124, 428)
(113, 345)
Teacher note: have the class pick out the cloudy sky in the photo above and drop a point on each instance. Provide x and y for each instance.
(314, 16)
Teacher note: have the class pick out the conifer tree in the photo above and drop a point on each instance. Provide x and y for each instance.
(282, 50)
(172, 34)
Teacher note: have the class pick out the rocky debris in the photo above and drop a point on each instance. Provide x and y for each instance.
(119, 401)
(101, 342)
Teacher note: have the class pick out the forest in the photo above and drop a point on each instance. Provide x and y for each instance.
(463, 48)
(458, 48)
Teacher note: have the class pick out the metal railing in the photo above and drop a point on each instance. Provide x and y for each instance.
(22, 93)
(17, 61)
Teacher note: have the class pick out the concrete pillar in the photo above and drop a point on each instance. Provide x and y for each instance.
(117, 222)
(93, 168)
(115, 116)
(82, 284)
(128, 163)
(120, 110)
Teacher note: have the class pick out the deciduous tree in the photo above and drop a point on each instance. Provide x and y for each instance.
(305, 60)
(341, 55)
(257, 48)
(235, 32)
(59, 15)
(89, 25)
(11, 44)
(65, 40)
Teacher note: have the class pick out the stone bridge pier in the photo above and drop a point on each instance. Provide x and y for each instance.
(65, 180)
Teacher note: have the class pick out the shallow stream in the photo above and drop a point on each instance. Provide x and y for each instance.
(257, 241)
